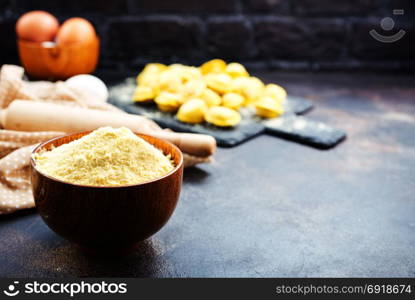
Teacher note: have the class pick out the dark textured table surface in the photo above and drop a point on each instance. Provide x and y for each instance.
(272, 208)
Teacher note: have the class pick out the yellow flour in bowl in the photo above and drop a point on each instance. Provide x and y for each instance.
(105, 157)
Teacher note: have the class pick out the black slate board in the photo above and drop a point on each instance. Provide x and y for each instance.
(249, 127)
(305, 131)
(297, 105)
(225, 137)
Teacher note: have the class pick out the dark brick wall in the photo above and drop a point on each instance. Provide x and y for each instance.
(283, 34)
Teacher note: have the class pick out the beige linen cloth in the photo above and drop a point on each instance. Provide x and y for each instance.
(16, 146)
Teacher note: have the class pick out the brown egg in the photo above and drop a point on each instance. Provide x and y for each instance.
(37, 26)
(75, 30)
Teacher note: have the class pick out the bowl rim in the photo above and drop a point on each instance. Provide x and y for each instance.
(175, 169)
(32, 44)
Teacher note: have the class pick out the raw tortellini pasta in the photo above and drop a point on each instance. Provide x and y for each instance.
(211, 97)
(222, 116)
(236, 70)
(213, 92)
(167, 101)
(143, 93)
(193, 111)
(232, 100)
(267, 107)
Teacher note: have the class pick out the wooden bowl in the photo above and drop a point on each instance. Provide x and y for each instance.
(53, 61)
(106, 218)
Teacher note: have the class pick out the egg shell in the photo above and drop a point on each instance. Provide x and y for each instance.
(75, 30)
(37, 26)
(89, 84)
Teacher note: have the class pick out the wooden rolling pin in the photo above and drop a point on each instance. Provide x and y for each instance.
(41, 116)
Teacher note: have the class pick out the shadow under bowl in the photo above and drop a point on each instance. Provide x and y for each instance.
(105, 218)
